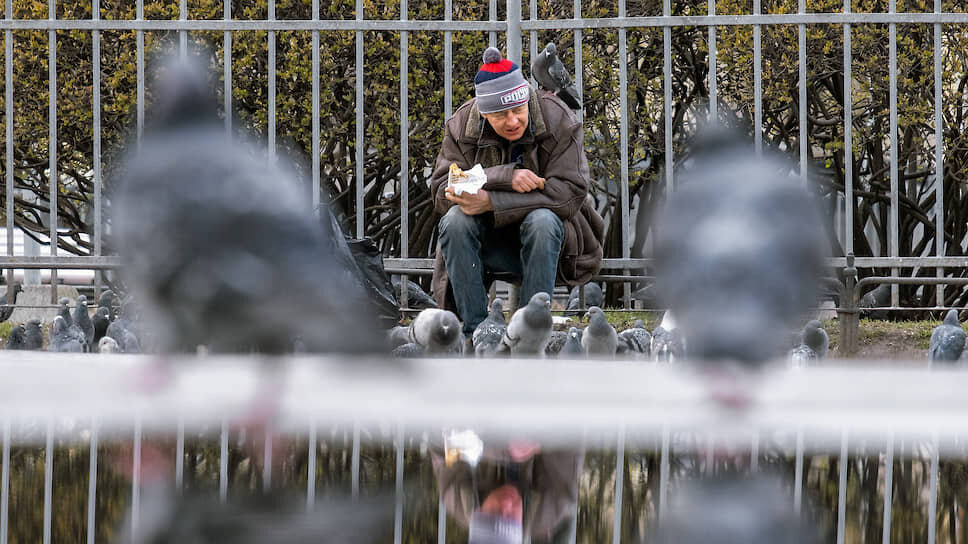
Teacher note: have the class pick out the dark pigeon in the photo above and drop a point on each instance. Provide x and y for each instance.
(101, 320)
(647, 295)
(947, 339)
(529, 329)
(816, 338)
(83, 320)
(488, 333)
(879, 297)
(65, 338)
(635, 341)
(34, 334)
(555, 343)
(17, 338)
(593, 297)
(64, 310)
(572, 347)
(124, 329)
(552, 75)
(8, 300)
(108, 300)
(219, 245)
(739, 251)
(417, 298)
(599, 338)
(437, 332)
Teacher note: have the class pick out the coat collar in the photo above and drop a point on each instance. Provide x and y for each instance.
(474, 127)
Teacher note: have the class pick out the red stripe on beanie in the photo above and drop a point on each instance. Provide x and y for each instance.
(496, 67)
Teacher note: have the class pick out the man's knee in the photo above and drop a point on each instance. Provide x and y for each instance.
(543, 223)
(455, 223)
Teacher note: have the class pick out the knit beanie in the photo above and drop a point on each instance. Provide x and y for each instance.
(499, 84)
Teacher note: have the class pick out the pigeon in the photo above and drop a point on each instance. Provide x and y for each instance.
(83, 320)
(529, 330)
(947, 339)
(108, 300)
(879, 297)
(16, 339)
(101, 320)
(667, 342)
(488, 333)
(437, 332)
(399, 336)
(572, 347)
(408, 350)
(123, 330)
(218, 245)
(63, 310)
(813, 346)
(593, 297)
(636, 340)
(65, 338)
(552, 75)
(599, 338)
(556, 342)
(739, 252)
(108, 345)
(647, 296)
(8, 300)
(34, 334)
(417, 298)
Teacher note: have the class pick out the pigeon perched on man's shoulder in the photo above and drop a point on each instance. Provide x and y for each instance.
(947, 339)
(488, 333)
(552, 75)
(599, 338)
(529, 329)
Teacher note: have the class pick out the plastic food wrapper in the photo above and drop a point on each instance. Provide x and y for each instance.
(469, 181)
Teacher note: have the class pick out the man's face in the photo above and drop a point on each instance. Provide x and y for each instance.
(509, 124)
(505, 502)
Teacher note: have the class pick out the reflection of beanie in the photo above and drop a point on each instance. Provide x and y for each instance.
(499, 84)
(491, 529)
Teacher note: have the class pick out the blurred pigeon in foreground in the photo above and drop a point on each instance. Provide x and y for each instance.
(65, 338)
(551, 74)
(572, 347)
(437, 332)
(8, 300)
(16, 339)
(599, 338)
(83, 320)
(734, 509)
(635, 341)
(34, 334)
(739, 251)
(947, 339)
(417, 298)
(220, 246)
(487, 336)
(529, 330)
(593, 297)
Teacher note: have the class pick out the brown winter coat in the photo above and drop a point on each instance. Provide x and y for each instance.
(553, 149)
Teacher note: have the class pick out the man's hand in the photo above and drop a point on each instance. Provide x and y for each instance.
(470, 204)
(525, 180)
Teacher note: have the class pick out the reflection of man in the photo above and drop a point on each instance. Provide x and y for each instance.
(533, 218)
(516, 493)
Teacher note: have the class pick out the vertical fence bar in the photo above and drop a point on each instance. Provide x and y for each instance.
(5, 470)
(667, 96)
(802, 61)
(271, 76)
(404, 138)
(533, 36)
(227, 69)
(842, 490)
(888, 487)
(311, 469)
(182, 34)
(267, 456)
(619, 485)
(757, 81)
(448, 61)
(933, 491)
(623, 82)
(180, 456)
(136, 482)
(48, 480)
(713, 99)
(315, 119)
(893, 232)
(492, 16)
(755, 452)
(355, 462)
(579, 79)
(848, 139)
(96, 118)
(223, 462)
(798, 473)
(664, 471)
(52, 140)
(441, 522)
(8, 128)
(938, 157)
(92, 485)
(513, 34)
(359, 122)
(140, 37)
(398, 493)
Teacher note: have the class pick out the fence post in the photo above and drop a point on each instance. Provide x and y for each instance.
(847, 312)
(514, 31)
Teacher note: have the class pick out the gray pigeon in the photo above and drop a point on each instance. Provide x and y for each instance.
(593, 297)
(879, 297)
(487, 336)
(555, 343)
(124, 330)
(219, 245)
(814, 344)
(16, 339)
(101, 320)
(437, 332)
(64, 310)
(108, 300)
(739, 251)
(635, 341)
(34, 334)
(108, 345)
(572, 348)
(8, 300)
(529, 330)
(83, 320)
(399, 336)
(408, 351)
(65, 338)
(668, 344)
(552, 75)
(417, 298)
(599, 338)
(947, 339)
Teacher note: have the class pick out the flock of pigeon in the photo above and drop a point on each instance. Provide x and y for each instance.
(112, 329)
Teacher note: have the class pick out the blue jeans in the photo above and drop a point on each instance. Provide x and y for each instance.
(472, 245)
